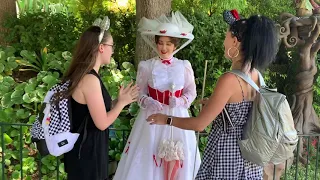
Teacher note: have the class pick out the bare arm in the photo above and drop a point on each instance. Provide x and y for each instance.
(91, 90)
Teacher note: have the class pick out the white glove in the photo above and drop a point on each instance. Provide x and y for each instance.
(176, 102)
(149, 102)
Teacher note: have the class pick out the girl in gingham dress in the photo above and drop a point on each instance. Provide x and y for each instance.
(250, 44)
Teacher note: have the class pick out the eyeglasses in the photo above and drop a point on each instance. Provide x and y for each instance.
(113, 46)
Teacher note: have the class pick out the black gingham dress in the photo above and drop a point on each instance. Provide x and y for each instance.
(222, 157)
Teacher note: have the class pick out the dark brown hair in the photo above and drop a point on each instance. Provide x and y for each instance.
(259, 40)
(173, 40)
(84, 57)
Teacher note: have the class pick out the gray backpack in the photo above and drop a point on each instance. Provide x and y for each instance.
(269, 135)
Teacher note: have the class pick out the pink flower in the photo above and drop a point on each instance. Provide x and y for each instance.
(314, 142)
(163, 31)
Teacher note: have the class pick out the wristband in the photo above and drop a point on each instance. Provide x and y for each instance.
(169, 120)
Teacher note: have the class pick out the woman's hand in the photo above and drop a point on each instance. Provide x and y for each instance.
(160, 119)
(128, 94)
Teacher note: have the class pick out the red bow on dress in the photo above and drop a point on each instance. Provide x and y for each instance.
(166, 62)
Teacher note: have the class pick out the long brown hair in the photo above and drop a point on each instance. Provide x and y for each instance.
(84, 57)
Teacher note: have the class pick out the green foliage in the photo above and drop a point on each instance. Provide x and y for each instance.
(56, 32)
(37, 36)
(123, 31)
(35, 6)
(32, 6)
(20, 99)
(7, 61)
(58, 61)
(270, 8)
(208, 7)
(124, 34)
(29, 159)
(20, 102)
(316, 96)
(44, 47)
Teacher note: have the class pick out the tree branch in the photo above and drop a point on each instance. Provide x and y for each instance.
(314, 34)
(285, 16)
(211, 8)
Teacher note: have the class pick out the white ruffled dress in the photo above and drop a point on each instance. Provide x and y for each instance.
(141, 156)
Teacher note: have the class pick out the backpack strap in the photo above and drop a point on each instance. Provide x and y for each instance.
(246, 78)
(226, 118)
(240, 87)
(225, 115)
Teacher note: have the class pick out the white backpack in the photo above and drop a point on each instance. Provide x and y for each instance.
(269, 135)
(51, 130)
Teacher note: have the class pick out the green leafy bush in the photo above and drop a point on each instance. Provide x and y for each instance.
(57, 32)
(59, 61)
(20, 102)
(40, 53)
(7, 61)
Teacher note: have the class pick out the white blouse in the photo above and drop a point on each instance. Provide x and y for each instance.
(175, 76)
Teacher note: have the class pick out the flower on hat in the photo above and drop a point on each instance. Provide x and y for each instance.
(163, 31)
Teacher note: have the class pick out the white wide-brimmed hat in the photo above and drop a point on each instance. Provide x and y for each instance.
(175, 26)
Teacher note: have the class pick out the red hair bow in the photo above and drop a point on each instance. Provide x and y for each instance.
(235, 14)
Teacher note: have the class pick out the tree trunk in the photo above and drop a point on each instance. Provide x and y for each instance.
(7, 8)
(305, 117)
(148, 9)
(304, 34)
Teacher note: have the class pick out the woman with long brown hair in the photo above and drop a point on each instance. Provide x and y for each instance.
(92, 104)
